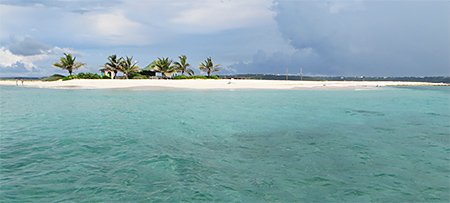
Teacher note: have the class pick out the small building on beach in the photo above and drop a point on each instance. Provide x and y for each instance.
(107, 72)
(148, 73)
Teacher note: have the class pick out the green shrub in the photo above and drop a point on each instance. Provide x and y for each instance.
(180, 77)
(54, 77)
(199, 77)
(70, 77)
(81, 75)
(183, 77)
(138, 76)
(88, 76)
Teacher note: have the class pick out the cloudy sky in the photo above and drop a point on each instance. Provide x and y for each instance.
(376, 38)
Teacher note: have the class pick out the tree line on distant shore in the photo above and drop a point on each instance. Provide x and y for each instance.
(128, 67)
(167, 67)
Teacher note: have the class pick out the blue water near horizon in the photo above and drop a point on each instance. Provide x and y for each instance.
(384, 145)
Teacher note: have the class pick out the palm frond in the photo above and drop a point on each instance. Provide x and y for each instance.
(208, 66)
(68, 63)
(190, 72)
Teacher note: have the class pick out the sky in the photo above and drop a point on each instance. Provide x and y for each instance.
(347, 37)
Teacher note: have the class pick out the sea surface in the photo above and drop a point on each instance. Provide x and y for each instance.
(383, 145)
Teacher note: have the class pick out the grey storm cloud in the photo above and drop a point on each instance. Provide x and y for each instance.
(28, 47)
(360, 37)
(28, 57)
(279, 62)
(378, 38)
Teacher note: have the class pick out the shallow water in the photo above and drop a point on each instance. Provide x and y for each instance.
(385, 145)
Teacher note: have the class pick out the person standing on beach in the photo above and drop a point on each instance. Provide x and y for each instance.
(17, 82)
(21, 80)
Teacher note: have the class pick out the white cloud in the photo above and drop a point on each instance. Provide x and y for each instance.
(27, 51)
(9, 60)
(214, 15)
(132, 23)
(30, 65)
(96, 28)
(108, 28)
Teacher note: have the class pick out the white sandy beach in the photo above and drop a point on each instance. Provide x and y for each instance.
(213, 84)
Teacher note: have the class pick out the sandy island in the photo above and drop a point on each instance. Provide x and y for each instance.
(213, 84)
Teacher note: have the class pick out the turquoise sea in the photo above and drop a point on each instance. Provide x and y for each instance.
(384, 145)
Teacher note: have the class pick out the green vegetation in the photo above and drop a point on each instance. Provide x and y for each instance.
(113, 64)
(127, 67)
(70, 77)
(167, 68)
(53, 77)
(184, 77)
(68, 63)
(138, 76)
(130, 69)
(208, 66)
(85, 76)
(182, 66)
(90, 76)
(163, 66)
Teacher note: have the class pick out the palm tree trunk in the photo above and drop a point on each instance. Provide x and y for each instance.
(70, 72)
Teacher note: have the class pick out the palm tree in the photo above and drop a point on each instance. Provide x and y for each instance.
(68, 63)
(162, 65)
(208, 66)
(183, 65)
(113, 64)
(127, 66)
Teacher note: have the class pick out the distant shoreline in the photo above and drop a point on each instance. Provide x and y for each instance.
(146, 84)
(432, 79)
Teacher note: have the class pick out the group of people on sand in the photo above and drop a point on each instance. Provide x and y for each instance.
(17, 82)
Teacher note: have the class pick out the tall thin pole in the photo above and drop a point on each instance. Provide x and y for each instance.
(301, 73)
(287, 72)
